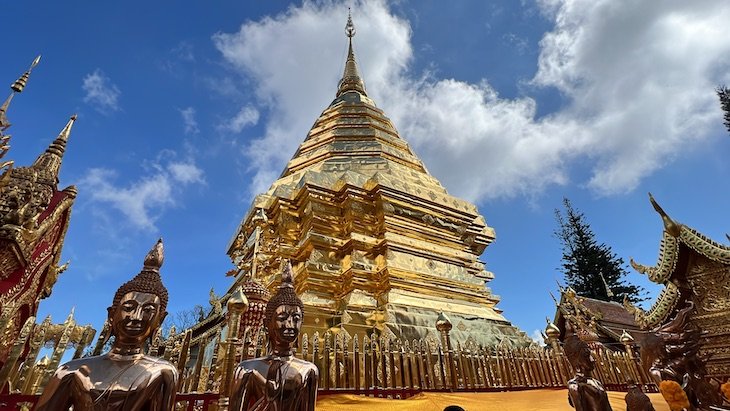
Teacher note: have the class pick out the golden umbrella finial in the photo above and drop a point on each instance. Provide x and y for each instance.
(351, 80)
(350, 26)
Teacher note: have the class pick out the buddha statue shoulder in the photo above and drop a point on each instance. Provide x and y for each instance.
(278, 381)
(584, 392)
(123, 379)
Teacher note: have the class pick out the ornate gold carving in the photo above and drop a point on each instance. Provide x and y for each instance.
(705, 246)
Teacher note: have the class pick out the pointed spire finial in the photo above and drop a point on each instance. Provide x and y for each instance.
(609, 292)
(351, 80)
(350, 26)
(50, 160)
(16, 87)
(21, 82)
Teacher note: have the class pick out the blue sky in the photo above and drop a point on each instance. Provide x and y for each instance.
(187, 109)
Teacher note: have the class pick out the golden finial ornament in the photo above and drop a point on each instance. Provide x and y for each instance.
(22, 81)
(626, 338)
(551, 330)
(443, 323)
(350, 26)
(49, 162)
(351, 80)
(16, 87)
(237, 302)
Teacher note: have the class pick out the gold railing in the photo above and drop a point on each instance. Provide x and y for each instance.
(371, 364)
(377, 365)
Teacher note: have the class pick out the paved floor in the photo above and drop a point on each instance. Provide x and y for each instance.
(490, 401)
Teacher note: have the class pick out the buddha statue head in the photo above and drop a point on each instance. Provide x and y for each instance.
(579, 355)
(140, 304)
(284, 314)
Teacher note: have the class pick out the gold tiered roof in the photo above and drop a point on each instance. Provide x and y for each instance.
(377, 243)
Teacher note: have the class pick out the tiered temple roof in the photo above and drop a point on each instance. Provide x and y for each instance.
(34, 217)
(692, 268)
(604, 322)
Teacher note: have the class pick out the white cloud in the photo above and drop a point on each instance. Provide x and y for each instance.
(186, 173)
(247, 116)
(100, 92)
(188, 116)
(641, 79)
(143, 201)
(639, 84)
(537, 337)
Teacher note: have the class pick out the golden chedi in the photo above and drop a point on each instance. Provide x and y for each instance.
(124, 379)
(377, 243)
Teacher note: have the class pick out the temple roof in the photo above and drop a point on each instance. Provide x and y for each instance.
(605, 320)
(675, 238)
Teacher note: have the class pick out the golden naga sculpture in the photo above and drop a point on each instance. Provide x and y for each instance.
(124, 379)
(584, 392)
(278, 381)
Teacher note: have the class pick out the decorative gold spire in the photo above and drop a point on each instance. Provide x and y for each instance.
(551, 330)
(351, 80)
(626, 338)
(443, 322)
(50, 160)
(20, 83)
(609, 292)
(237, 301)
(16, 87)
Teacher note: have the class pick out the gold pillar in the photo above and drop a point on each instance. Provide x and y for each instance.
(9, 368)
(237, 305)
(443, 325)
(628, 341)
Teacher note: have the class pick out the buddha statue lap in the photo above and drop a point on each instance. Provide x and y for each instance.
(124, 379)
(278, 381)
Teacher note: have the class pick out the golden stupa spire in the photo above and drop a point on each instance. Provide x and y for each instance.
(50, 161)
(16, 87)
(351, 80)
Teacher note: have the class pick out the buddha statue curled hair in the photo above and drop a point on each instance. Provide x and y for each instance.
(285, 295)
(148, 280)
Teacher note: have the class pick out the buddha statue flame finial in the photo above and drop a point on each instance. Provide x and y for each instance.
(154, 259)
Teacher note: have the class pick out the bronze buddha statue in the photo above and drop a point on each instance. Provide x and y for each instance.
(124, 379)
(278, 381)
(584, 392)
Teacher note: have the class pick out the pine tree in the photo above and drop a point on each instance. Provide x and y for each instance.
(593, 270)
(724, 94)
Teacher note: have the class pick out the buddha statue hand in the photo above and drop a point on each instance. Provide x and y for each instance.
(73, 388)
